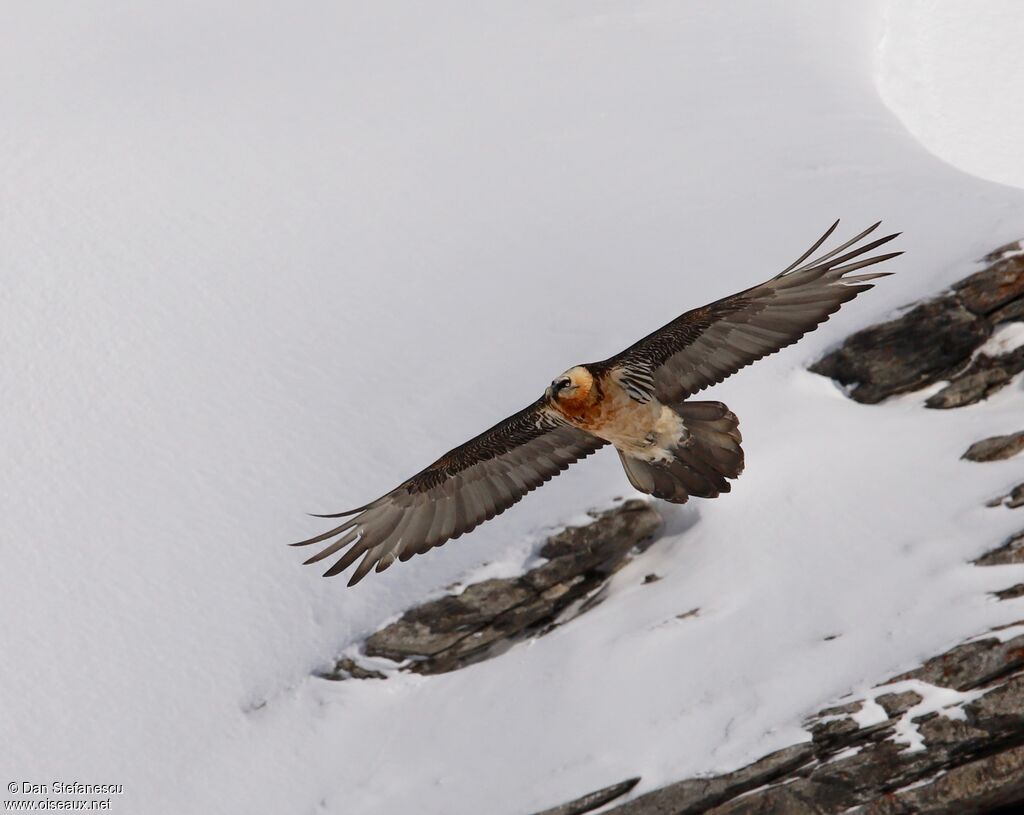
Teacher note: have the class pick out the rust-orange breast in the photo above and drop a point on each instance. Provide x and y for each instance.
(606, 410)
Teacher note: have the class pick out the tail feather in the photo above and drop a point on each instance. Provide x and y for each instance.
(701, 465)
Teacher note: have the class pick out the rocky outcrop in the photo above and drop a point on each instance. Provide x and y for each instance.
(947, 737)
(995, 448)
(998, 288)
(937, 339)
(982, 377)
(1009, 553)
(487, 617)
(593, 800)
(696, 795)
(903, 354)
(1013, 499)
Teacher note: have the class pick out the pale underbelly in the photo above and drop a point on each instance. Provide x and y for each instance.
(650, 432)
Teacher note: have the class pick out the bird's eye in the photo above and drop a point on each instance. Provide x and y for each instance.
(563, 383)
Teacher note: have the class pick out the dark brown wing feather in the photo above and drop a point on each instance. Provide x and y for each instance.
(704, 346)
(462, 489)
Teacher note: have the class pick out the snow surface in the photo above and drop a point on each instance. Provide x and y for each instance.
(1005, 339)
(952, 72)
(262, 263)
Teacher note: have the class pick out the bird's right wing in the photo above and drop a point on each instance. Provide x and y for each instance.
(462, 489)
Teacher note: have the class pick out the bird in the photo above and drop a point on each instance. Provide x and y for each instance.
(639, 401)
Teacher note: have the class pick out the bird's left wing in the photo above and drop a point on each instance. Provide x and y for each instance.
(704, 346)
(462, 489)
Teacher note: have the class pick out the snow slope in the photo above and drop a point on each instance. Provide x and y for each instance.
(953, 74)
(255, 264)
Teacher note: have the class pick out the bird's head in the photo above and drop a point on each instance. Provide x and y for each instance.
(571, 387)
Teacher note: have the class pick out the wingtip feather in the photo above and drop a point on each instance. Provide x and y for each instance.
(336, 514)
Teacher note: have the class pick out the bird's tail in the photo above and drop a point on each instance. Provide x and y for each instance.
(701, 464)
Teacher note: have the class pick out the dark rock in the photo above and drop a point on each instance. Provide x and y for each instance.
(1012, 593)
(984, 376)
(1013, 499)
(936, 339)
(970, 665)
(837, 727)
(406, 638)
(969, 762)
(1011, 312)
(593, 800)
(967, 765)
(1001, 710)
(839, 710)
(858, 778)
(896, 704)
(996, 448)
(925, 345)
(1001, 252)
(651, 578)
(700, 794)
(459, 629)
(837, 785)
(347, 668)
(976, 787)
(1016, 497)
(999, 284)
(953, 735)
(1008, 553)
(800, 797)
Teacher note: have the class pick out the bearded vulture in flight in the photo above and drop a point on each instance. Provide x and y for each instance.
(637, 400)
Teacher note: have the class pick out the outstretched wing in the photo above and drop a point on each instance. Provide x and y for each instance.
(462, 489)
(704, 346)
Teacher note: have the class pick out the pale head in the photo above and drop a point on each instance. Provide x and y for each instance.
(571, 386)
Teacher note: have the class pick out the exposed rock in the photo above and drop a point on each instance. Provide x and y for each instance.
(593, 800)
(1012, 593)
(1011, 312)
(971, 664)
(927, 344)
(896, 704)
(697, 795)
(975, 787)
(1008, 553)
(996, 448)
(459, 629)
(979, 380)
(347, 668)
(936, 339)
(440, 625)
(1013, 499)
(999, 284)
(972, 759)
(834, 725)
(1001, 252)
